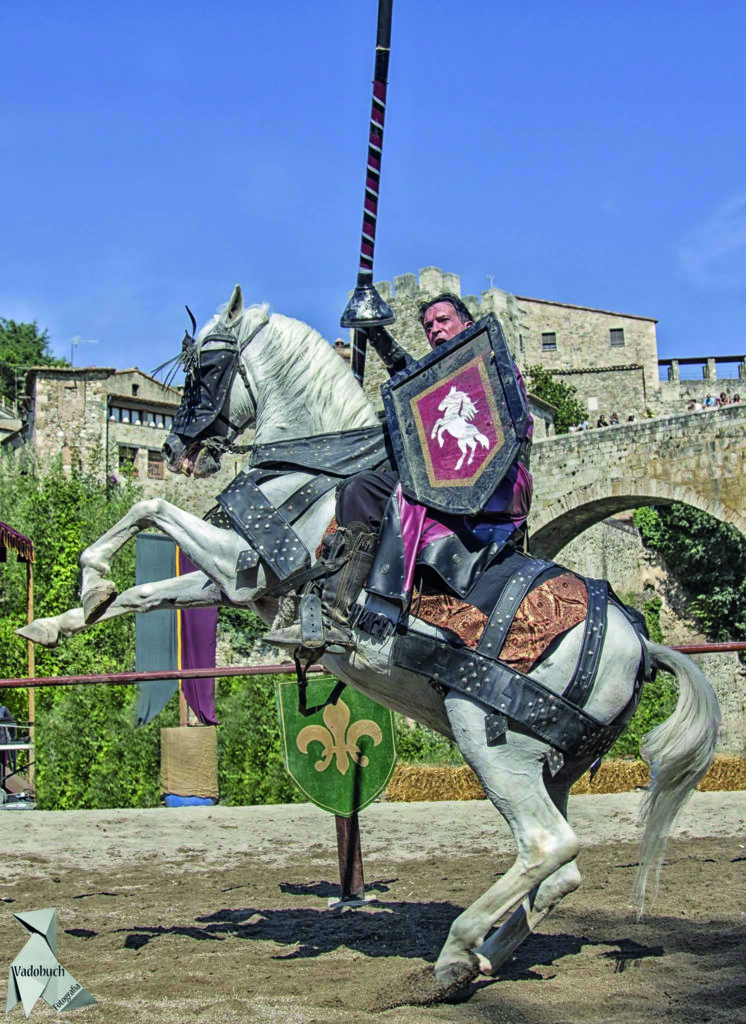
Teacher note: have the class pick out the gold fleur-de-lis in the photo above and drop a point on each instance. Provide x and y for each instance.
(337, 740)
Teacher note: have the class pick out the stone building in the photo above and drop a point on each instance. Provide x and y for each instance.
(610, 358)
(115, 422)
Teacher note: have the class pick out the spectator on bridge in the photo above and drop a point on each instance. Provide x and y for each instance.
(723, 400)
(601, 421)
(736, 399)
(583, 425)
(709, 401)
(614, 420)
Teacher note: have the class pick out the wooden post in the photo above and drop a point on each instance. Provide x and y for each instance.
(351, 879)
(31, 670)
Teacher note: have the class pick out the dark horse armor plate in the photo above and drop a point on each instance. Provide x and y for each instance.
(457, 418)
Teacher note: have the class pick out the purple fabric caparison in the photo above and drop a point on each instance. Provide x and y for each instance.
(198, 647)
(506, 510)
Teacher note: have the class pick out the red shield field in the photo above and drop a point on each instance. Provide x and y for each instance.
(459, 426)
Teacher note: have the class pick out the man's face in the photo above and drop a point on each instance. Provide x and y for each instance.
(442, 322)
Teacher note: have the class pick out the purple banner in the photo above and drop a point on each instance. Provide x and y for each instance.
(199, 628)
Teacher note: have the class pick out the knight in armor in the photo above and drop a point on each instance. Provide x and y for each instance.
(381, 533)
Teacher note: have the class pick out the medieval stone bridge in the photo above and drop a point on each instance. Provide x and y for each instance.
(579, 479)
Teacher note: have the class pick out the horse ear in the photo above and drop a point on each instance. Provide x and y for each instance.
(234, 309)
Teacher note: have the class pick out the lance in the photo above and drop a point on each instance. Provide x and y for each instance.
(366, 308)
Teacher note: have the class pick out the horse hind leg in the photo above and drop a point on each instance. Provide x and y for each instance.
(544, 897)
(512, 775)
(536, 905)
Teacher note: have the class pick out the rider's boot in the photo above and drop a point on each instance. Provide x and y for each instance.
(347, 556)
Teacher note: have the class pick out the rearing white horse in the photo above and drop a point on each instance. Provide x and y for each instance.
(293, 385)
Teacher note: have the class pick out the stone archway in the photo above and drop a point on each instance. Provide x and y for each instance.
(557, 523)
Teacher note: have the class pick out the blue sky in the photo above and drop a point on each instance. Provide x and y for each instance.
(156, 153)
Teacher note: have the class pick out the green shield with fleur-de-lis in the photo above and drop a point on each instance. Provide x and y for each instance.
(341, 757)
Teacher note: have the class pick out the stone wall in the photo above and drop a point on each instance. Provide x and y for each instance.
(614, 550)
(676, 394)
(698, 458)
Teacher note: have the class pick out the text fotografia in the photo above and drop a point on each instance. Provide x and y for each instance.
(64, 1000)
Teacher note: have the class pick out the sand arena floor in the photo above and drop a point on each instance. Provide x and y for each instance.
(220, 915)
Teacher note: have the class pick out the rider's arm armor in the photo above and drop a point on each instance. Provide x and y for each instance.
(393, 356)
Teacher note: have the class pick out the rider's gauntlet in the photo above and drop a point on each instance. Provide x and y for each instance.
(393, 356)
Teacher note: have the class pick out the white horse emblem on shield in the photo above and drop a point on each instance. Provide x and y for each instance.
(458, 411)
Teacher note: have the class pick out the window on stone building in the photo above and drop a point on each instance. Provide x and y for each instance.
(616, 337)
(549, 342)
(155, 465)
(135, 390)
(128, 460)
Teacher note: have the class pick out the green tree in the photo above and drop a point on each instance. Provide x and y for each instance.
(88, 753)
(709, 559)
(543, 384)
(21, 345)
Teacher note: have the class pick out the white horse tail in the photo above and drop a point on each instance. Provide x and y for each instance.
(483, 439)
(679, 752)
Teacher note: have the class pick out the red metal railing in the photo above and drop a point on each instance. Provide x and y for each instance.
(125, 678)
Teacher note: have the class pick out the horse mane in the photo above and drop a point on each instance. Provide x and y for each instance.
(312, 374)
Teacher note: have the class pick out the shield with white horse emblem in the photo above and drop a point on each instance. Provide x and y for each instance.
(457, 418)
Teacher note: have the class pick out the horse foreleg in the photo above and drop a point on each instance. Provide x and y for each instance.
(193, 590)
(512, 776)
(210, 548)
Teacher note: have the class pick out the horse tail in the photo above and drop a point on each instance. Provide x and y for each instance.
(483, 439)
(679, 752)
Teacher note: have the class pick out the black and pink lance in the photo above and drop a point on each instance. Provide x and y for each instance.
(366, 308)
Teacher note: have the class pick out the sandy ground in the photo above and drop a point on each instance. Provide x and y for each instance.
(220, 915)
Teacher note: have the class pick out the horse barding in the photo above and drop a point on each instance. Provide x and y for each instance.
(528, 735)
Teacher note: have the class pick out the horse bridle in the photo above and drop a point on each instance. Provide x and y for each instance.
(191, 359)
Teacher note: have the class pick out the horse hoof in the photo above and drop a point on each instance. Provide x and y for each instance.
(417, 987)
(97, 599)
(40, 631)
(457, 974)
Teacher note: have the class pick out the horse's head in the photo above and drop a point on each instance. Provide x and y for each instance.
(452, 398)
(218, 400)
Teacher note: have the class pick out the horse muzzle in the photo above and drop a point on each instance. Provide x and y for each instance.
(191, 460)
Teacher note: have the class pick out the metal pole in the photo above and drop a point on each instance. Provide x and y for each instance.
(350, 858)
(366, 308)
(31, 670)
(128, 678)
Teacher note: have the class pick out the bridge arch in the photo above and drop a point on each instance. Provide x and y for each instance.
(697, 458)
(560, 521)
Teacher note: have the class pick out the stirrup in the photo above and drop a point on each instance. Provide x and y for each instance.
(313, 632)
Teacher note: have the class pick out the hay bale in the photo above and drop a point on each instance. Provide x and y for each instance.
(617, 776)
(725, 773)
(413, 782)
